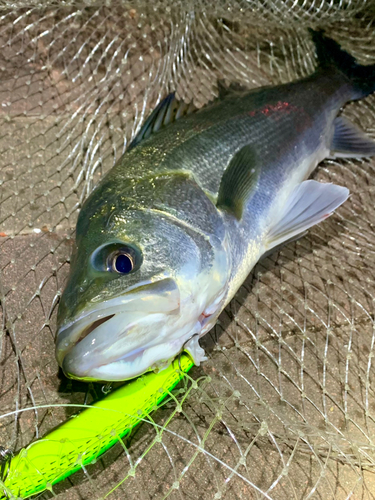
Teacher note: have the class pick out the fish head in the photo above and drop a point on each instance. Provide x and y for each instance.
(138, 284)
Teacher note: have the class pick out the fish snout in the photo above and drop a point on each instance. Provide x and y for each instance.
(122, 327)
(118, 347)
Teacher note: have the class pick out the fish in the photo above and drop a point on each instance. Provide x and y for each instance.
(170, 233)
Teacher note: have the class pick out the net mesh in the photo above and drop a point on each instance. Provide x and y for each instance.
(284, 407)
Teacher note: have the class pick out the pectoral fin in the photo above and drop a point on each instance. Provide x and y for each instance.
(239, 182)
(310, 203)
(349, 141)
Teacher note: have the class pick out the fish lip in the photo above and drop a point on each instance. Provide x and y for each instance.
(127, 296)
(85, 376)
(96, 373)
(65, 341)
(126, 292)
(91, 327)
(105, 311)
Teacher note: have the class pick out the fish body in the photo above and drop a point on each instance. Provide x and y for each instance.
(173, 229)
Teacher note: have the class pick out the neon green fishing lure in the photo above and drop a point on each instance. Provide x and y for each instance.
(83, 438)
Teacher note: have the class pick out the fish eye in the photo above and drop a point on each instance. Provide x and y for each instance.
(116, 257)
(122, 261)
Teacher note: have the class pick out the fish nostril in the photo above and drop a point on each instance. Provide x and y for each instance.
(92, 327)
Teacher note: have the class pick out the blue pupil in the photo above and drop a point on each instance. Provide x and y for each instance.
(123, 264)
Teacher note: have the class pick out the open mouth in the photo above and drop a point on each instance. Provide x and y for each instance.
(117, 328)
(115, 347)
(90, 328)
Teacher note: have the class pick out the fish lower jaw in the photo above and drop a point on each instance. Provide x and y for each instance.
(151, 357)
(127, 368)
(154, 355)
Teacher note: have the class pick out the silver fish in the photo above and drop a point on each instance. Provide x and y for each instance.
(171, 232)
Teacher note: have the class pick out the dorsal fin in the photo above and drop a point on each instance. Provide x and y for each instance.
(167, 111)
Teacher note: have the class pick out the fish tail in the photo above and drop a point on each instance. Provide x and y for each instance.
(330, 54)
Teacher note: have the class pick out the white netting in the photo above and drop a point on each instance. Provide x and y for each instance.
(285, 407)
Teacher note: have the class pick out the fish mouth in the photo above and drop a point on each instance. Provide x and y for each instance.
(90, 328)
(119, 330)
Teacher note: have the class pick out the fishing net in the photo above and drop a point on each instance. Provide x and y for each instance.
(285, 406)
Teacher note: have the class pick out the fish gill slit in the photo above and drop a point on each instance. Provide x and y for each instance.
(178, 221)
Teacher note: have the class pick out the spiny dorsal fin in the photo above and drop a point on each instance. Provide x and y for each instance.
(238, 182)
(167, 111)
